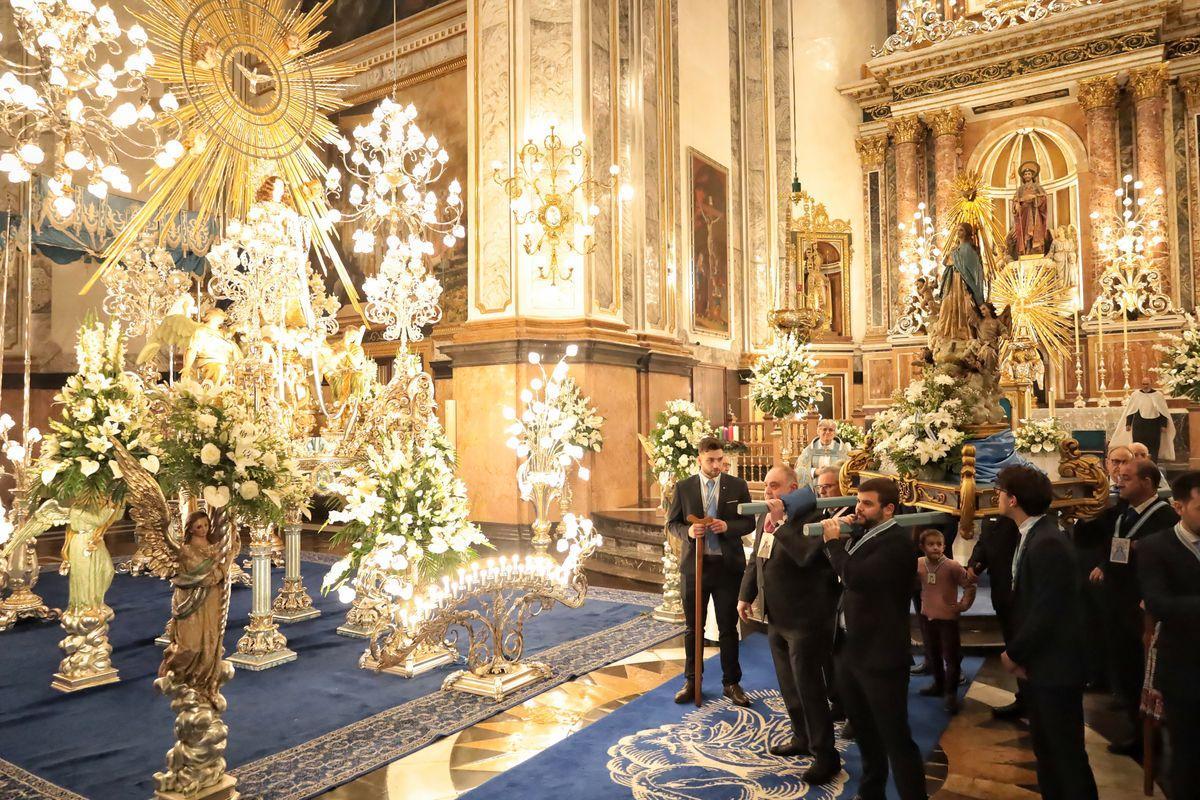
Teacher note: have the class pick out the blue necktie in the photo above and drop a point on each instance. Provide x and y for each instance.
(712, 543)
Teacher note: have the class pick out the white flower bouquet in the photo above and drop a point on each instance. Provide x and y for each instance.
(1036, 436)
(851, 434)
(218, 447)
(573, 404)
(674, 440)
(403, 510)
(784, 380)
(924, 425)
(100, 402)
(1180, 368)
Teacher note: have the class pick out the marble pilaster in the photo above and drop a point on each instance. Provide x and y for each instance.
(872, 153)
(1098, 96)
(947, 126)
(906, 137)
(1148, 85)
(1190, 87)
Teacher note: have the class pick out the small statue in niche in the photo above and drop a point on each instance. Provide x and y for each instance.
(1064, 254)
(816, 286)
(1029, 234)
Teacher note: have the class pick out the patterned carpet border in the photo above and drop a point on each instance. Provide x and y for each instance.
(17, 783)
(347, 753)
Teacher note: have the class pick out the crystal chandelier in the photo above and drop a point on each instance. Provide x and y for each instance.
(144, 287)
(403, 295)
(1131, 283)
(920, 261)
(392, 166)
(552, 195)
(73, 93)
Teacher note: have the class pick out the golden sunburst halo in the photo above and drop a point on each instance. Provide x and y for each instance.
(1041, 303)
(254, 97)
(973, 204)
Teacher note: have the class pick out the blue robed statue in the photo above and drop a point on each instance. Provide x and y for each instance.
(961, 287)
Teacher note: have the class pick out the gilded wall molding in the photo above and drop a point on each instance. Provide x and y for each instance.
(1025, 65)
(905, 130)
(1098, 92)
(1148, 82)
(872, 150)
(1179, 48)
(876, 112)
(945, 121)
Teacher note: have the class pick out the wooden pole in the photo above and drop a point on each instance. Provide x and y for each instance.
(698, 620)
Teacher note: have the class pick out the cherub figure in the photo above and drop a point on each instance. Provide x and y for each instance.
(207, 354)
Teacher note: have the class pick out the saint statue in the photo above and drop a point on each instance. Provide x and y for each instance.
(961, 289)
(816, 286)
(1146, 419)
(1064, 255)
(1029, 213)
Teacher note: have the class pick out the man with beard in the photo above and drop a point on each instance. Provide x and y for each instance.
(800, 591)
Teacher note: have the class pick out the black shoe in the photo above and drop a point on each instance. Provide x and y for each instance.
(932, 690)
(790, 750)
(687, 693)
(820, 773)
(1129, 747)
(736, 696)
(1013, 710)
(919, 669)
(962, 678)
(951, 704)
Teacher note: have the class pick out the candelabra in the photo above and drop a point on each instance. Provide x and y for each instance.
(403, 295)
(69, 90)
(393, 166)
(21, 565)
(144, 287)
(261, 646)
(553, 194)
(920, 261)
(491, 602)
(1080, 402)
(541, 436)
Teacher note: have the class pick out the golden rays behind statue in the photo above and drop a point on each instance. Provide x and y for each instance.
(972, 204)
(251, 93)
(1040, 303)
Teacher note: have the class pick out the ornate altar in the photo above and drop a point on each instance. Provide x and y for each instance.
(814, 296)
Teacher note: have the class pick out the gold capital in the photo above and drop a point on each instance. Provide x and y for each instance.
(1190, 86)
(905, 129)
(1148, 82)
(945, 121)
(1098, 92)
(872, 150)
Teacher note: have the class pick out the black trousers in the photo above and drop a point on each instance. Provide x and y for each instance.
(1183, 728)
(1004, 614)
(721, 585)
(877, 705)
(943, 652)
(1056, 726)
(1096, 647)
(1126, 657)
(800, 663)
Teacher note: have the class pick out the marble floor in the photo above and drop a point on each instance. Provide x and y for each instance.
(979, 758)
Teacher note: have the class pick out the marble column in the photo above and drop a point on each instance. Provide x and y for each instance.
(1190, 86)
(947, 125)
(1098, 96)
(906, 137)
(872, 152)
(1148, 85)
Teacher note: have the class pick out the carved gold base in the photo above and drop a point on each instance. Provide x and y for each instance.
(239, 576)
(516, 675)
(293, 603)
(419, 662)
(225, 790)
(87, 654)
(262, 646)
(663, 613)
(355, 631)
(147, 562)
(24, 604)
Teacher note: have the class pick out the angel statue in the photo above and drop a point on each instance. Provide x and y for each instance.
(193, 668)
(205, 348)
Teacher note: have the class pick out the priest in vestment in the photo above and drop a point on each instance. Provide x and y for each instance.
(1146, 419)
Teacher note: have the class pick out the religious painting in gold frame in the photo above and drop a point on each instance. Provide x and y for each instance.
(817, 243)
(709, 187)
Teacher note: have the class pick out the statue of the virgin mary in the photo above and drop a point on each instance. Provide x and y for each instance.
(961, 289)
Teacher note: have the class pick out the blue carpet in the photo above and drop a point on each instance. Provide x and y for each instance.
(652, 748)
(295, 730)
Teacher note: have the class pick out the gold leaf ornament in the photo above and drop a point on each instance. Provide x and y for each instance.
(253, 98)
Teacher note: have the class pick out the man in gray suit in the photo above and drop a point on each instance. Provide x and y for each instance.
(799, 590)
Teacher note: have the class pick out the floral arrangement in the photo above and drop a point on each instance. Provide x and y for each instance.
(784, 380)
(1180, 369)
(851, 434)
(674, 440)
(1039, 436)
(218, 446)
(402, 506)
(925, 424)
(100, 402)
(573, 404)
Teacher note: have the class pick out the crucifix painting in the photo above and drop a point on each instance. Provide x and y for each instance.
(710, 245)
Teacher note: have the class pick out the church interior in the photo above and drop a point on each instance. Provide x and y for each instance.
(412, 399)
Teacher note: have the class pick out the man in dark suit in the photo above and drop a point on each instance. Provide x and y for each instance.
(1139, 514)
(1169, 573)
(712, 493)
(1045, 649)
(993, 553)
(877, 565)
(800, 592)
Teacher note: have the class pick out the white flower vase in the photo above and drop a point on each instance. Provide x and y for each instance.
(1046, 462)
